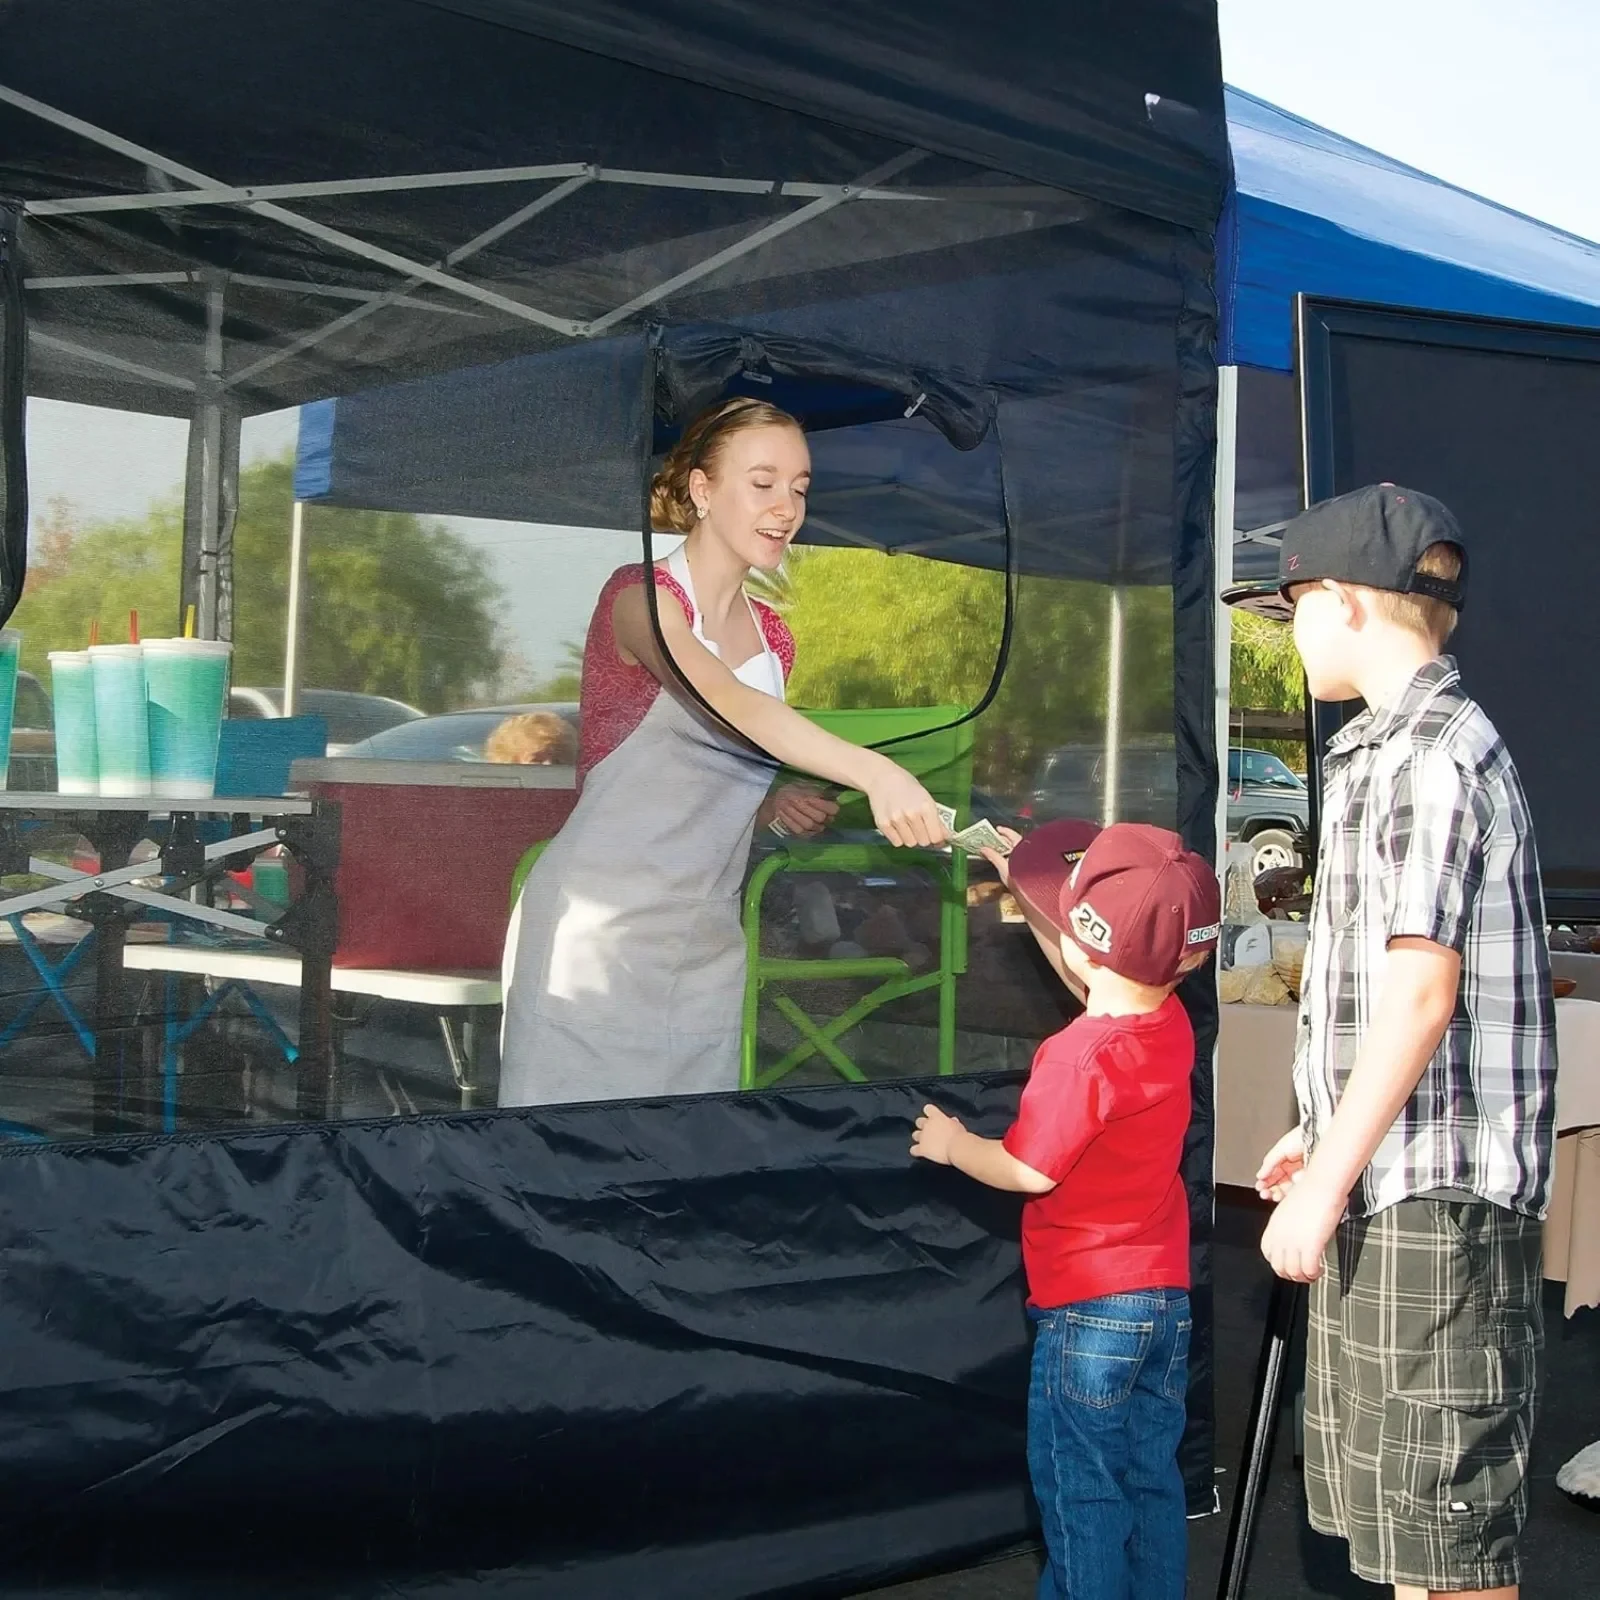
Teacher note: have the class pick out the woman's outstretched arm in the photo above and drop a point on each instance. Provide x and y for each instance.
(903, 810)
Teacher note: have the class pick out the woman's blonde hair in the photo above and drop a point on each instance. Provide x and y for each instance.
(671, 505)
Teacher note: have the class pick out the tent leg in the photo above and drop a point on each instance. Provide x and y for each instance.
(1222, 520)
(1116, 649)
(1287, 1299)
(211, 482)
(297, 578)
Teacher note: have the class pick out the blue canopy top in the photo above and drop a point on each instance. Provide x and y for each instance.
(1311, 212)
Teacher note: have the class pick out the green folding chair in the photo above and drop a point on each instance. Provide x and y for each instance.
(941, 757)
(519, 875)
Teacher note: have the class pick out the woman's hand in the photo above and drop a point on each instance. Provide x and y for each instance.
(1000, 863)
(798, 810)
(904, 811)
(934, 1133)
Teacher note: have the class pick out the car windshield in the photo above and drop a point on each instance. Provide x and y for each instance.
(354, 716)
(33, 704)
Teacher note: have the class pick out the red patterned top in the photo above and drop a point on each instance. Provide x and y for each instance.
(615, 696)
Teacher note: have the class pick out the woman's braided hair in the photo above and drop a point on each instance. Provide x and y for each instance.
(671, 505)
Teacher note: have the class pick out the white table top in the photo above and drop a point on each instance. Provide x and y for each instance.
(156, 804)
(264, 966)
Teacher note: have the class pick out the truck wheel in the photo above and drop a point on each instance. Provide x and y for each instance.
(1272, 848)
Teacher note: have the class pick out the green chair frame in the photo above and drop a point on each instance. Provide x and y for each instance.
(941, 757)
(519, 875)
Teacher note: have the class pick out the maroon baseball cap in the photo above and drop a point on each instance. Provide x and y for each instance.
(1042, 865)
(1131, 897)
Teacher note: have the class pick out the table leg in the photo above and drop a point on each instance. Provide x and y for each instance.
(313, 925)
(111, 1031)
(113, 835)
(316, 1092)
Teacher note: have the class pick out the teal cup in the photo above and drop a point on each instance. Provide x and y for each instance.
(121, 722)
(10, 649)
(77, 754)
(186, 686)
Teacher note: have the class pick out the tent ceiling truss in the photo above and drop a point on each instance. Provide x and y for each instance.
(568, 178)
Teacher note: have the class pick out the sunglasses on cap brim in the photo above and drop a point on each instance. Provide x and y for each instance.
(1263, 599)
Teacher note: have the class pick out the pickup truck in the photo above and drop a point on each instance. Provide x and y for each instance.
(1268, 806)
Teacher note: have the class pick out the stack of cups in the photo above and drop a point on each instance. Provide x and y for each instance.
(186, 682)
(122, 726)
(10, 649)
(77, 753)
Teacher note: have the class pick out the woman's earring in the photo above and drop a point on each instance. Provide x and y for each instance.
(700, 511)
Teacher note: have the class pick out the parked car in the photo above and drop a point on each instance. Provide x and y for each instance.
(1268, 806)
(33, 738)
(1070, 782)
(450, 736)
(351, 717)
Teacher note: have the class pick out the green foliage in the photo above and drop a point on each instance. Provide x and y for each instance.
(875, 630)
(1266, 675)
(1265, 668)
(566, 684)
(394, 605)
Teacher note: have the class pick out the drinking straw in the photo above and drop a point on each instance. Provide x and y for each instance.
(188, 623)
(94, 632)
(133, 627)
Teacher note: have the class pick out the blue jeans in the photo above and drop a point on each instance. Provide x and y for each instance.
(1105, 1414)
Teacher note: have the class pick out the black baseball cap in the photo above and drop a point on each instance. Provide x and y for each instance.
(1374, 537)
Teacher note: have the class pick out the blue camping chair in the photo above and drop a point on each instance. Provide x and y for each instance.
(254, 758)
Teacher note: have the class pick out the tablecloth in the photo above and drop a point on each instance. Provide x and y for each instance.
(1255, 1107)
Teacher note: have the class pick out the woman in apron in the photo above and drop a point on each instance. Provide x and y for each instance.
(625, 962)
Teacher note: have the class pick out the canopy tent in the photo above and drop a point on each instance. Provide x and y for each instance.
(1310, 212)
(1002, 217)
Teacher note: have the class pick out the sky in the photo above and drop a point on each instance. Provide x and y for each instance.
(1497, 97)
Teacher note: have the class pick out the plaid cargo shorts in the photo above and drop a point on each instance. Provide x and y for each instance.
(1421, 1371)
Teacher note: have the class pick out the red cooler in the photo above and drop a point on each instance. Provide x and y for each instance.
(427, 850)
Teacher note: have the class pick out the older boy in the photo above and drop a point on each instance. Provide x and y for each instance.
(1411, 1193)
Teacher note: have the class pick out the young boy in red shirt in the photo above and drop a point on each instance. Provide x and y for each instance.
(1122, 915)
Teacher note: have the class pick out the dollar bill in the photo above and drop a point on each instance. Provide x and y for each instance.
(980, 836)
(947, 815)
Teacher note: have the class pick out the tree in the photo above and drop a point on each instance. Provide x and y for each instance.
(394, 604)
(1266, 675)
(876, 630)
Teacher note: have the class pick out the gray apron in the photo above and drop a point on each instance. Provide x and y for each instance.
(625, 962)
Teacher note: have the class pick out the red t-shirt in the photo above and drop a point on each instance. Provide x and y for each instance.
(1104, 1113)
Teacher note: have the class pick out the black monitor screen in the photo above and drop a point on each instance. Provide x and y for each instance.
(1500, 421)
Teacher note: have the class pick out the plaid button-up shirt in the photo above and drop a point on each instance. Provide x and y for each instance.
(1426, 834)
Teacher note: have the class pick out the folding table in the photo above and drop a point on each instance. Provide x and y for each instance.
(461, 1001)
(183, 873)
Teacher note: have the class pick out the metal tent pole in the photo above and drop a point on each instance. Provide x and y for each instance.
(1116, 637)
(291, 642)
(1222, 519)
(1281, 1315)
(1288, 1301)
(211, 481)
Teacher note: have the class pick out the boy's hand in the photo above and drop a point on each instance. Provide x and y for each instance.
(1299, 1230)
(934, 1133)
(999, 862)
(1282, 1166)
